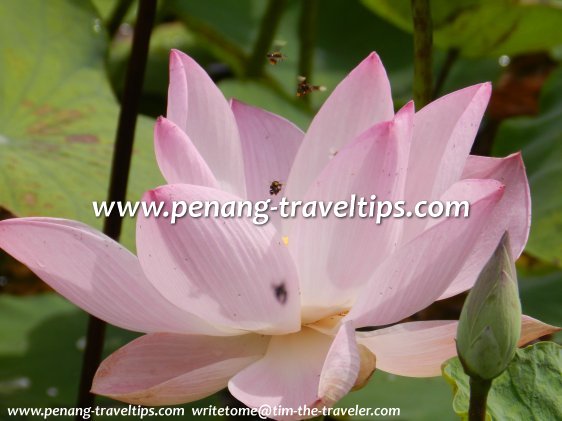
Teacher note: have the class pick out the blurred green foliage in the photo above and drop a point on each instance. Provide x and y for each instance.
(540, 140)
(540, 297)
(484, 27)
(43, 342)
(418, 399)
(61, 75)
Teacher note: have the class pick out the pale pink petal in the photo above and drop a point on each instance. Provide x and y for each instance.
(225, 269)
(444, 132)
(414, 349)
(169, 369)
(177, 90)
(269, 146)
(362, 99)
(418, 272)
(532, 329)
(417, 349)
(288, 375)
(341, 367)
(198, 107)
(512, 214)
(336, 256)
(177, 157)
(95, 273)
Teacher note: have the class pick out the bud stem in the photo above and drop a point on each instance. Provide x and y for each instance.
(479, 389)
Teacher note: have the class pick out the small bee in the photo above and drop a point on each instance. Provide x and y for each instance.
(275, 188)
(304, 88)
(275, 56)
(280, 292)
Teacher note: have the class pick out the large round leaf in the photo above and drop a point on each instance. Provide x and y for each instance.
(529, 389)
(58, 115)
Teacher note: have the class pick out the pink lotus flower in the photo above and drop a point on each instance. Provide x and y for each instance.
(271, 311)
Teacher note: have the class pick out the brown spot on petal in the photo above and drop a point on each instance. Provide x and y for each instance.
(281, 292)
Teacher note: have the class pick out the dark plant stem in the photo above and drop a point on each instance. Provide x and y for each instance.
(117, 15)
(478, 397)
(307, 36)
(423, 43)
(119, 177)
(452, 56)
(267, 31)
